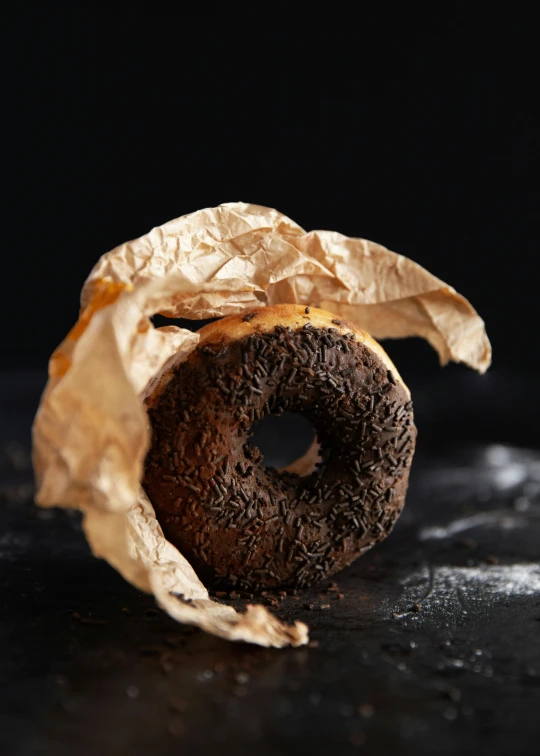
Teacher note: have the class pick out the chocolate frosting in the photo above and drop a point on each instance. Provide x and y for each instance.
(245, 526)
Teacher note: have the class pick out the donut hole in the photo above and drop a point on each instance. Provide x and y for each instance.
(282, 439)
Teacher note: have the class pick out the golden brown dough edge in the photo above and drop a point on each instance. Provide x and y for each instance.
(294, 316)
(261, 319)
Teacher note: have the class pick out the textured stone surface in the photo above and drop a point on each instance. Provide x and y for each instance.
(430, 643)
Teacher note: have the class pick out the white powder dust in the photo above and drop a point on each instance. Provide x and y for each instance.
(509, 580)
(500, 468)
(457, 589)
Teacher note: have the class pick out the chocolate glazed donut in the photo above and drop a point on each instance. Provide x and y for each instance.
(243, 525)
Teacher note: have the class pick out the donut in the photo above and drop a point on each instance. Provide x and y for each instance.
(245, 526)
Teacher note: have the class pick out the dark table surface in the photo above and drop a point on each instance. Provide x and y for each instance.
(431, 646)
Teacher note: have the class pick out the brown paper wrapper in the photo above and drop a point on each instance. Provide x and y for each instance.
(91, 433)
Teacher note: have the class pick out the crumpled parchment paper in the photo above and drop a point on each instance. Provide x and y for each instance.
(91, 433)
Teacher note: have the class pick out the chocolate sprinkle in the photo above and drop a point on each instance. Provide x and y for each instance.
(229, 514)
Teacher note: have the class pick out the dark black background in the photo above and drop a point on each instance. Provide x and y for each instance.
(410, 129)
(414, 131)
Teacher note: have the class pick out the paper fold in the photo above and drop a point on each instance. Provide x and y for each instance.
(91, 433)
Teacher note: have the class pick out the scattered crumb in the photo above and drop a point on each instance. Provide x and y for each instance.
(366, 710)
(357, 738)
(177, 728)
(332, 588)
(317, 606)
(177, 704)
